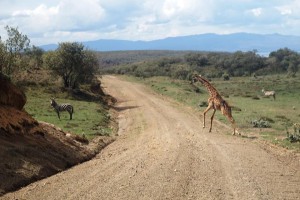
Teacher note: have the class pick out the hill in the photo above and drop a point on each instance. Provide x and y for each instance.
(203, 42)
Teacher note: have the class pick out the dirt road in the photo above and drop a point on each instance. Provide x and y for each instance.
(163, 152)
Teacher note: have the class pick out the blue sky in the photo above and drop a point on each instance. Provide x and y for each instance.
(53, 21)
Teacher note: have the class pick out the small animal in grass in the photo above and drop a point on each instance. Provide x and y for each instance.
(62, 107)
(268, 93)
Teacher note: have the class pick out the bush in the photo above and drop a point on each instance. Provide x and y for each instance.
(255, 98)
(296, 136)
(293, 137)
(260, 123)
(226, 77)
(203, 104)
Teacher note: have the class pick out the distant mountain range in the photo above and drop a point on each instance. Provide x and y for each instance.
(202, 42)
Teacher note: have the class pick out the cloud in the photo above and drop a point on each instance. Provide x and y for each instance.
(60, 20)
(157, 19)
(83, 14)
(291, 9)
(39, 19)
(66, 16)
(256, 11)
(41, 10)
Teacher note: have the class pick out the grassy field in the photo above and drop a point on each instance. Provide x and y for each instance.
(89, 118)
(273, 117)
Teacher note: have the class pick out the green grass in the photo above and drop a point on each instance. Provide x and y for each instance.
(89, 118)
(244, 93)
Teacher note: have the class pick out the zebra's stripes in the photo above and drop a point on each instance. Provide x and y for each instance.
(62, 107)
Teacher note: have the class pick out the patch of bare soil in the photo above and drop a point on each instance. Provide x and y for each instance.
(31, 150)
(163, 152)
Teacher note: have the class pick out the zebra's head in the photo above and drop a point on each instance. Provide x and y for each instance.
(53, 102)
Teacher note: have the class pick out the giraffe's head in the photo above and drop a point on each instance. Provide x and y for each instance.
(195, 78)
(226, 109)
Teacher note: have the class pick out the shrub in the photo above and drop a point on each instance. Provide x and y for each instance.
(255, 98)
(203, 104)
(296, 136)
(260, 123)
(226, 77)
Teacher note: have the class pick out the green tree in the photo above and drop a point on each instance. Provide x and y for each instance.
(284, 60)
(50, 59)
(74, 64)
(90, 66)
(35, 55)
(15, 44)
(294, 63)
(180, 72)
(3, 56)
(196, 59)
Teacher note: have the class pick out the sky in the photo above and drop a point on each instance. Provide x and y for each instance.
(54, 21)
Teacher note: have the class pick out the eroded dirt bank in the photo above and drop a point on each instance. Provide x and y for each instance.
(32, 150)
(162, 152)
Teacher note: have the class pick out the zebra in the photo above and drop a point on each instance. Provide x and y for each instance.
(62, 107)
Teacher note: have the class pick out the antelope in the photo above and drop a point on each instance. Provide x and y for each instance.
(268, 93)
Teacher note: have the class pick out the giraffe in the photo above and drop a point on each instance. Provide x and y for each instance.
(215, 102)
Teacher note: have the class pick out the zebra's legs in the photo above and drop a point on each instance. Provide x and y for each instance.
(58, 114)
(71, 113)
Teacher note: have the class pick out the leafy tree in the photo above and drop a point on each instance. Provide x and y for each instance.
(74, 64)
(180, 72)
(284, 60)
(35, 55)
(3, 56)
(196, 59)
(15, 44)
(50, 59)
(90, 66)
(293, 64)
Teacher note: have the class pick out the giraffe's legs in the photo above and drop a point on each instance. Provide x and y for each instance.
(204, 113)
(234, 129)
(234, 126)
(211, 120)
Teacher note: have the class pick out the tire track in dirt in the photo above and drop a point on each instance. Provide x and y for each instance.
(162, 152)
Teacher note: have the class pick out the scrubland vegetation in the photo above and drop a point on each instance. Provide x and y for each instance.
(239, 77)
(65, 74)
(212, 64)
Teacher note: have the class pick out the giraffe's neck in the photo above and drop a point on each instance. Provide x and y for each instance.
(212, 91)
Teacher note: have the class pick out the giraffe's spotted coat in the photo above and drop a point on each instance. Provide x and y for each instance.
(215, 102)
